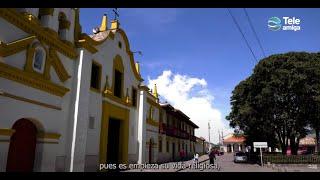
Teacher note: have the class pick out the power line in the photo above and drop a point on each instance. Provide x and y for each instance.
(254, 31)
(235, 21)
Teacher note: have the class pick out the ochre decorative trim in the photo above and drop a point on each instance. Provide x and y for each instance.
(83, 43)
(46, 11)
(15, 46)
(5, 94)
(110, 110)
(111, 36)
(145, 88)
(153, 102)
(29, 61)
(17, 19)
(45, 135)
(29, 79)
(116, 99)
(152, 122)
(6, 132)
(95, 90)
(58, 66)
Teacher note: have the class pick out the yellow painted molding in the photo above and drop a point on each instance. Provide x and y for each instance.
(45, 135)
(31, 80)
(95, 90)
(46, 11)
(153, 102)
(152, 122)
(15, 46)
(83, 43)
(110, 36)
(145, 88)
(18, 19)
(5, 94)
(116, 99)
(6, 132)
(110, 110)
(58, 66)
(31, 18)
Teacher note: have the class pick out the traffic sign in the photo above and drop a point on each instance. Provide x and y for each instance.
(260, 144)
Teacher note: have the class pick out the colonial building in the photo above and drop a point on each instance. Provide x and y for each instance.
(232, 143)
(176, 134)
(200, 145)
(71, 101)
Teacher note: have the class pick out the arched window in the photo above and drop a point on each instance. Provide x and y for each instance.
(39, 59)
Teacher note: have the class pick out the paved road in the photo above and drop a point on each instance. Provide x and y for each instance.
(225, 164)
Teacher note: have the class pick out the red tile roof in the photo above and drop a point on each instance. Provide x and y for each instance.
(234, 139)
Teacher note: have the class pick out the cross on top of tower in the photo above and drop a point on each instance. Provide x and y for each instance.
(116, 13)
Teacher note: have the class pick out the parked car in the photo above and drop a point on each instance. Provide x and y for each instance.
(240, 157)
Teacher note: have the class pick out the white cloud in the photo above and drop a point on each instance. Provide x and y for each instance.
(190, 95)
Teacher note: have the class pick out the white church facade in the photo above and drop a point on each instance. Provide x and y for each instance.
(71, 101)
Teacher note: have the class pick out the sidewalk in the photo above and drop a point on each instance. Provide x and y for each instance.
(171, 166)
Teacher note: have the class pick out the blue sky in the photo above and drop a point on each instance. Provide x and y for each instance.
(205, 43)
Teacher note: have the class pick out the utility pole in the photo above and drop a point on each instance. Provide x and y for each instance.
(209, 130)
(209, 135)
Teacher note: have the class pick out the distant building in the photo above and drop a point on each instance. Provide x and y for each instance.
(232, 143)
(200, 145)
(176, 133)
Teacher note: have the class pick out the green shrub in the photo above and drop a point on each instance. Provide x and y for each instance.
(292, 159)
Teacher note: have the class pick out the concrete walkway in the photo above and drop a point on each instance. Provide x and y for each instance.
(171, 166)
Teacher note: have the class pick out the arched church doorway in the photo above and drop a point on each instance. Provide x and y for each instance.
(22, 147)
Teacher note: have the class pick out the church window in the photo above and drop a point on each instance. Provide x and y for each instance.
(120, 44)
(39, 60)
(134, 97)
(95, 76)
(167, 146)
(117, 83)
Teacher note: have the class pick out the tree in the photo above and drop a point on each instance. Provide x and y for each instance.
(273, 104)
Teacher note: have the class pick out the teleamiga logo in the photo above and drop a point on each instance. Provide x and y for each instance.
(288, 24)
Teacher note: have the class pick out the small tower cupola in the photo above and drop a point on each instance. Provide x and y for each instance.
(155, 91)
(104, 23)
(137, 67)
